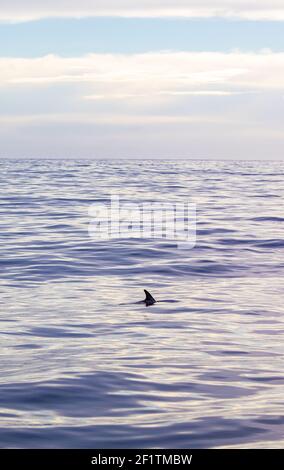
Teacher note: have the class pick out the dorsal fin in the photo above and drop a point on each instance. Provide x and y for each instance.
(149, 298)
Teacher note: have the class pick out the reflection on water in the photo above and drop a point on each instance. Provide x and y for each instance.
(84, 365)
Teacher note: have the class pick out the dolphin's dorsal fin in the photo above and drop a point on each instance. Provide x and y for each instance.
(149, 298)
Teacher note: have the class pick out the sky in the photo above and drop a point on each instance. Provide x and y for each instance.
(148, 79)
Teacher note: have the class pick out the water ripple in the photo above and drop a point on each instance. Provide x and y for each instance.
(84, 365)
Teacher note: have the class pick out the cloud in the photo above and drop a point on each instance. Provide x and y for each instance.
(125, 96)
(156, 104)
(204, 138)
(106, 119)
(161, 75)
(25, 10)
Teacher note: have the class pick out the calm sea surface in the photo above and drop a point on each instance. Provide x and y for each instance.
(84, 365)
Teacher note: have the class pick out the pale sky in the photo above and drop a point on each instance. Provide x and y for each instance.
(154, 78)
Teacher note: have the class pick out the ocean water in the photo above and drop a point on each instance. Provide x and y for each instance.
(83, 365)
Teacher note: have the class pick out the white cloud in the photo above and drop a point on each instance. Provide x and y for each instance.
(24, 10)
(105, 119)
(155, 104)
(165, 74)
(125, 96)
(212, 139)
